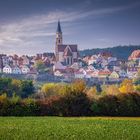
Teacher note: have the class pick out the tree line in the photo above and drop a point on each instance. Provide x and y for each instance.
(19, 98)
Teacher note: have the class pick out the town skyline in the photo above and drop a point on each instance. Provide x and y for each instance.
(29, 27)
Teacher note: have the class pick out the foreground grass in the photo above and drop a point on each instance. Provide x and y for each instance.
(55, 128)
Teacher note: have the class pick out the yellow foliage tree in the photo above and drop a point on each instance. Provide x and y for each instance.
(3, 97)
(127, 86)
(63, 89)
(49, 89)
(112, 89)
(92, 92)
(16, 84)
(137, 88)
(78, 86)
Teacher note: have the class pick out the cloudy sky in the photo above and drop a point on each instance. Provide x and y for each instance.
(29, 26)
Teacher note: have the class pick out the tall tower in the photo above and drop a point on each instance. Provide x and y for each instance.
(59, 40)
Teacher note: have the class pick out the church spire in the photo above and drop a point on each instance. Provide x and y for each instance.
(59, 40)
(59, 27)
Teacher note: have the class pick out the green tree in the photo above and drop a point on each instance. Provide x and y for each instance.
(40, 66)
(5, 86)
(27, 88)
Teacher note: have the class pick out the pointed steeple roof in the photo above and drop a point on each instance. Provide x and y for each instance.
(59, 27)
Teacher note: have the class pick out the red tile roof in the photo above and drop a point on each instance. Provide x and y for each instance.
(135, 54)
(104, 72)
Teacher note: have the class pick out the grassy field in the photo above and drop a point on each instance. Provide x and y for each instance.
(55, 128)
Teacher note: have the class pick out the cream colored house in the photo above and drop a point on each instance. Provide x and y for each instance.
(7, 69)
(114, 75)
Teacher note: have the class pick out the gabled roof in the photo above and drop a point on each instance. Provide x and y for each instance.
(135, 54)
(73, 48)
(67, 52)
(104, 72)
(8, 66)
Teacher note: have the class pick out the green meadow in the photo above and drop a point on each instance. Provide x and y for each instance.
(59, 128)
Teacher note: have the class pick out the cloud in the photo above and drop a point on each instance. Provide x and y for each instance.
(27, 33)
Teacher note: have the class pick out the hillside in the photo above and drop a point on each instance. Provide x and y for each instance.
(122, 52)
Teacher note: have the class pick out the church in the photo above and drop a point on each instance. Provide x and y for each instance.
(67, 54)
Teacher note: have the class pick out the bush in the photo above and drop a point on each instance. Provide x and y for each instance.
(49, 106)
(68, 105)
(129, 104)
(117, 105)
(75, 105)
(19, 108)
(105, 106)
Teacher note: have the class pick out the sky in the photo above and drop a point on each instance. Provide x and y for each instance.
(29, 26)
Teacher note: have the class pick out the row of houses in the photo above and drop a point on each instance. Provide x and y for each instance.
(18, 70)
(16, 60)
(90, 72)
(102, 66)
(23, 64)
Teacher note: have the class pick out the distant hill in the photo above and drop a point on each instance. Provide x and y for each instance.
(121, 52)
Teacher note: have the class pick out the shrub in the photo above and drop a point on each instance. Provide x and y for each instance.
(12, 107)
(74, 105)
(49, 106)
(117, 105)
(107, 105)
(129, 104)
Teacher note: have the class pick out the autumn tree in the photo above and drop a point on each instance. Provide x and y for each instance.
(92, 92)
(16, 84)
(112, 90)
(127, 86)
(78, 86)
(49, 89)
(137, 88)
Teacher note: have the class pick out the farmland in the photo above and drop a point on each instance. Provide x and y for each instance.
(59, 128)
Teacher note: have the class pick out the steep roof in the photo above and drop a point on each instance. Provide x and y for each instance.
(135, 54)
(67, 52)
(62, 47)
(59, 28)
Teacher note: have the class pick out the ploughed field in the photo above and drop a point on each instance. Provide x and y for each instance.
(59, 128)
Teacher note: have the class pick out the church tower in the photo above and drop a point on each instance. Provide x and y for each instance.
(59, 40)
